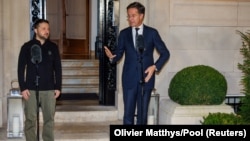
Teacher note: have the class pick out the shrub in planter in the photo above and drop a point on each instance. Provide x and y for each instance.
(198, 85)
(222, 119)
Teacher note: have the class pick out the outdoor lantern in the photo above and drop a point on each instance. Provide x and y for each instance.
(153, 110)
(15, 116)
(15, 113)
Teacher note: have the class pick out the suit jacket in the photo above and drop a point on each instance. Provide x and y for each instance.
(131, 74)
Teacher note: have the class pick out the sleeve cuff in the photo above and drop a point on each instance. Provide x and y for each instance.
(156, 68)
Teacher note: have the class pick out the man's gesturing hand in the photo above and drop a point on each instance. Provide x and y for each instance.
(109, 53)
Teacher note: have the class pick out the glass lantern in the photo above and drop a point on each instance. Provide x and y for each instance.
(153, 110)
(15, 116)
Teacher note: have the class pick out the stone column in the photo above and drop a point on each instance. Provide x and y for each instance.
(15, 30)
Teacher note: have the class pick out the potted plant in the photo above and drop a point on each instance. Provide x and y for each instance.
(194, 91)
(198, 85)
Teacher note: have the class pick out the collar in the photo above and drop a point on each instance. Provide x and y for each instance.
(140, 31)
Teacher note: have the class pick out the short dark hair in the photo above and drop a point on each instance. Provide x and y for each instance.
(38, 21)
(138, 6)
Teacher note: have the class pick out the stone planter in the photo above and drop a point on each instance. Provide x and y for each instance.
(174, 113)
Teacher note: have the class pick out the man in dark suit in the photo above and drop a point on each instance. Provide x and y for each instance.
(138, 76)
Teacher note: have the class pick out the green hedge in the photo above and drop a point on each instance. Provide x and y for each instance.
(198, 85)
(222, 119)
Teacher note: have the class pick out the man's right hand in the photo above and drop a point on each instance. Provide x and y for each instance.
(109, 53)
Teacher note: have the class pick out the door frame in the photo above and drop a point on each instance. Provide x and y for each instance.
(106, 35)
(38, 11)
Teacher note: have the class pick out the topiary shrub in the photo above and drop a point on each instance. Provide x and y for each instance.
(198, 85)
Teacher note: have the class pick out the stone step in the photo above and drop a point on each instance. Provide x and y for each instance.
(84, 131)
(77, 121)
(80, 71)
(80, 76)
(79, 79)
(80, 63)
(80, 88)
(78, 113)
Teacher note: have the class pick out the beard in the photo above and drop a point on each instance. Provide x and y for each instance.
(43, 37)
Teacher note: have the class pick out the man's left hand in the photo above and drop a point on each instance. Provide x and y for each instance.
(149, 71)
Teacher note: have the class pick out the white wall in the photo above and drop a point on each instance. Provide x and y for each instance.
(93, 25)
(1, 60)
(14, 27)
(204, 32)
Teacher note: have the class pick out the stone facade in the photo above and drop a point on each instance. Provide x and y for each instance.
(14, 31)
(195, 31)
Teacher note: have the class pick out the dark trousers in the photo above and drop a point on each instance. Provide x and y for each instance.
(134, 100)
